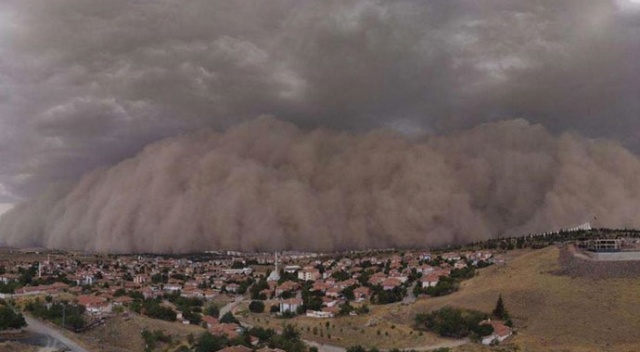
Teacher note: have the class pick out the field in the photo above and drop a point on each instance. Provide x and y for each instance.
(124, 335)
(553, 312)
(378, 329)
(16, 347)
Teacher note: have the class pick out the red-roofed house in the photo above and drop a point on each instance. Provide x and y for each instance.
(390, 283)
(430, 280)
(500, 332)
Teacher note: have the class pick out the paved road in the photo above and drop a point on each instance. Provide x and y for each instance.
(38, 327)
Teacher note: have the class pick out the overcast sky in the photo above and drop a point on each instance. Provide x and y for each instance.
(87, 83)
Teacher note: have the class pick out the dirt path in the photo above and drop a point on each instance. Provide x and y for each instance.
(448, 344)
(325, 348)
(229, 307)
(39, 327)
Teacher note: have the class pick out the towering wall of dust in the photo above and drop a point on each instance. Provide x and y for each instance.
(268, 185)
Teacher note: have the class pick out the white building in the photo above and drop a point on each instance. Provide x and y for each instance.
(500, 332)
(290, 305)
(275, 274)
(309, 274)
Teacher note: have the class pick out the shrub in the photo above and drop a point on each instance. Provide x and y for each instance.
(9, 319)
(228, 318)
(256, 306)
(452, 322)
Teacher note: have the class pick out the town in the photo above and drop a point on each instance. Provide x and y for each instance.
(189, 289)
(218, 300)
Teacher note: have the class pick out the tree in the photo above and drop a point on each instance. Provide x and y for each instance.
(499, 311)
(345, 309)
(257, 288)
(484, 330)
(256, 306)
(9, 319)
(453, 322)
(212, 310)
(262, 333)
(208, 342)
(289, 340)
(228, 318)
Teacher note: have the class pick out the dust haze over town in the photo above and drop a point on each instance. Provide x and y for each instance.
(170, 127)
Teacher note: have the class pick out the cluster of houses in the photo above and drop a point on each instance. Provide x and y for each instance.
(96, 283)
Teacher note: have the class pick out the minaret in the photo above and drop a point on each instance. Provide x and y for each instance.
(275, 275)
(39, 269)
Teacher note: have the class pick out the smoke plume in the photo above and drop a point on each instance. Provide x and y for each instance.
(267, 184)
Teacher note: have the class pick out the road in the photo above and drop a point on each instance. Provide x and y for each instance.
(231, 305)
(38, 327)
(448, 344)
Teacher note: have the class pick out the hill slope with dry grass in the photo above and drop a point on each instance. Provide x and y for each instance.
(554, 312)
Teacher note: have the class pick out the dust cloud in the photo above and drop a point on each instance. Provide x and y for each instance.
(267, 184)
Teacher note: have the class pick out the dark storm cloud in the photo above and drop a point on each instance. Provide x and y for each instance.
(86, 84)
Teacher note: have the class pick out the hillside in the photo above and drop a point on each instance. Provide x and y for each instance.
(124, 335)
(553, 312)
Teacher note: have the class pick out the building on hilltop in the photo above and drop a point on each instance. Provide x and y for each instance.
(602, 245)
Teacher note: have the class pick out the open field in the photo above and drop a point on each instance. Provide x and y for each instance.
(371, 330)
(16, 347)
(553, 312)
(123, 335)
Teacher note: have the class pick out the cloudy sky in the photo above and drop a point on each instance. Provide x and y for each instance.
(88, 83)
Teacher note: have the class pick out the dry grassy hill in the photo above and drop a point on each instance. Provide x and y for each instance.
(552, 312)
(124, 335)
(16, 347)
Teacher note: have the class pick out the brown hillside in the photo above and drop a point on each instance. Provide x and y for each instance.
(554, 312)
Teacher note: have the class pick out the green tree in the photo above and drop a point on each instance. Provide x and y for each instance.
(257, 288)
(453, 322)
(208, 343)
(228, 318)
(345, 309)
(256, 306)
(212, 310)
(499, 311)
(289, 340)
(9, 319)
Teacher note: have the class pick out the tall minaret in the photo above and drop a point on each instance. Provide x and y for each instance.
(39, 269)
(275, 274)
